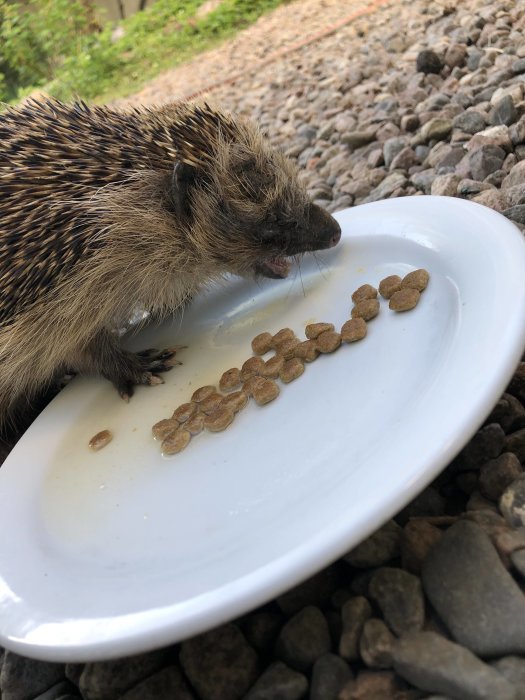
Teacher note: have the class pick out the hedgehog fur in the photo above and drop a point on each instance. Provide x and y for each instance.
(103, 212)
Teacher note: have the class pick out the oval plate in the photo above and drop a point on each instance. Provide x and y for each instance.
(111, 553)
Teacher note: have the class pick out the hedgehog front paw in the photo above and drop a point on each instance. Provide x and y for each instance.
(143, 368)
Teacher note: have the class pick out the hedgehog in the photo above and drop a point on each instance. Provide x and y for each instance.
(105, 211)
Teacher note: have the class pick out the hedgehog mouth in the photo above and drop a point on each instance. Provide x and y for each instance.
(276, 268)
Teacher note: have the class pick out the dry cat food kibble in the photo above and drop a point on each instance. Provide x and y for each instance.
(417, 279)
(176, 442)
(307, 351)
(184, 411)
(262, 343)
(367, 309)
(365, 291)
(287, 349)
(231, 379)
(389, 286)
(272, 367)
(291, 370)
(281, 336)
(219, 420)
(195, 424)
(328, 341)
(353, 330)
(164, 427)
(265, 391)
(211, 403)
(251, 384)
(251, 367)
(100, 440)
(313, 330)
(404, 300)
(203, 393)
(235, 402)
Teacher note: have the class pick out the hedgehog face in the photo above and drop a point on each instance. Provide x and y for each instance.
(251, 210)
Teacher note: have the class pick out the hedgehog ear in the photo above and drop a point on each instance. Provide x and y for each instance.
(182, 179)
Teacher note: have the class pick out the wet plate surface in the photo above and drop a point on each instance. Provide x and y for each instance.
(111, 553)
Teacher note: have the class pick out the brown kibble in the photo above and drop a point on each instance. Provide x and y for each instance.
(164, 428)
(265, 391)
(235, 402)
(307, 351)
(251, 367)
(417, 279)
(281, 336)
(367, 309)
(313, 330)
(292, 369)
(389, 286)
(203, 393)
(272, 367)
(365, 291)
(100, 440)
(262, 343)
(404, 300)
(231, 379)
(352, 330)
(211, 403)
(287, 349)
(184, 411)
(176, 442)
(219, 420)
(195, 424)
(251, 384)
(328, 341)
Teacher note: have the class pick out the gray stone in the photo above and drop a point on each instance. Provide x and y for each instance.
(102, 680)
(516, 176)
(448, 163)
(356, 139)
(517, 132)
(399, 597)
(329, 676)
(423, 180)
(166, 683)
(278, 682)
(303, 639)
(518, 66)
(475, 596)
(22, 678)
(437, 665)
(418, 539)
(445, 185)
(468, 186)
(57, 691)
(509, 413)
(515, 442)
(391, 183)
(518, 561)
(354, 614)
(409, 122)
(392, 147)
(455, 55)
(471, 122)
(496, 474)
(436, 129)
(503, 112)
(261, 629)
(219, 663)
(379, 548)
(487, 443)
(493, 136)
(513, 669)
(374, 685)
(428, 61)
(491, 198)
(404, 160)
(485, 160)
(375, 644)
(515, 213)
(512, 503)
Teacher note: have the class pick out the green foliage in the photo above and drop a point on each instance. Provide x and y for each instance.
(58, 46)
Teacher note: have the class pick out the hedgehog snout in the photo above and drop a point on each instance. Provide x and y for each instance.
(323, 229)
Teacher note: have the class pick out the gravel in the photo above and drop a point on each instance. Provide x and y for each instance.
(408, 98)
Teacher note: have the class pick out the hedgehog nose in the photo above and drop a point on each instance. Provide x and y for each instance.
(324, 228)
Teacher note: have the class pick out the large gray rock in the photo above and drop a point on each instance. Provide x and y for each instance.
(23, 679)
(435, 664)
(219, 663)
(476, 597)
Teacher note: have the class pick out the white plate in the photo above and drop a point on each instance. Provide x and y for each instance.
(111, 553)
